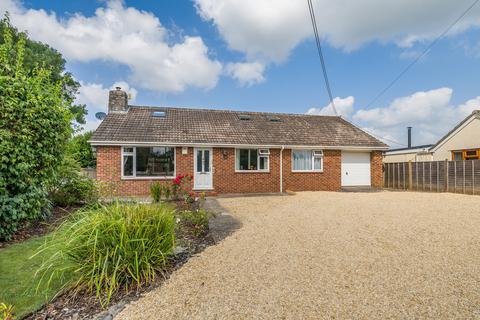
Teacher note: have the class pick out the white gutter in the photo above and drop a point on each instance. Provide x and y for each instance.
(226, 145)
(281, 169)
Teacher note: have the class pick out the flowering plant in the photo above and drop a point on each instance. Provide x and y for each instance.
(189, 197)
(180, 184)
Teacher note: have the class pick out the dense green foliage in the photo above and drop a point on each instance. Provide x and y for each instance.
(71, 187)
(81, 151)
(111, 247)
(34, 129)
(195, 222)
(156, 190)
(38, 54)
(17, 270)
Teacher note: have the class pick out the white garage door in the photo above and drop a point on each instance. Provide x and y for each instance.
(355, 169)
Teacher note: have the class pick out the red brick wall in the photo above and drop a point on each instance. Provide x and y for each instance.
(226, 180)
(376, 159)
(109, 175)
(329, 179)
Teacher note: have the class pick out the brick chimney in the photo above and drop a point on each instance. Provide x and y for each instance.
(117, 100)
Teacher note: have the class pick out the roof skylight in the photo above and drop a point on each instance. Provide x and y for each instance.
(158, 114)
(274, 119)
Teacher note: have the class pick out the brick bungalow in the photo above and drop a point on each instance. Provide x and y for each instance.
(230, 151)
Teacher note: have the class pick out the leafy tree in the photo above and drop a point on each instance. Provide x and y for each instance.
(35, 120)
(41, 54)
(81, 151)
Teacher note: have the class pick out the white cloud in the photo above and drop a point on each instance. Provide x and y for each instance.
(418, 106)
(272, 28)
(430, 113)
(95, 97)
(259, 28)
(246, 73)
(126, 36)
(344, 107)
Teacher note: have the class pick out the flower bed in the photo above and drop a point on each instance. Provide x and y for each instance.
(191, 237)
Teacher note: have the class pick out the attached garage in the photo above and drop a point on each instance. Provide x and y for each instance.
(355, 169)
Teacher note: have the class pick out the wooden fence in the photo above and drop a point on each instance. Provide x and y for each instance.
(434, 176)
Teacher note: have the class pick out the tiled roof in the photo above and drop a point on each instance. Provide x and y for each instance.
(202, 126)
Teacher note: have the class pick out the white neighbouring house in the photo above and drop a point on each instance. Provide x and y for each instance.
(461, 143)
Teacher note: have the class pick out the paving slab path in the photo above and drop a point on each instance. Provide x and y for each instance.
(325, 255)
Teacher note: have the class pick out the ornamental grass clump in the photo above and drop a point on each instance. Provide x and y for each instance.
(111, 247)
(156, 190)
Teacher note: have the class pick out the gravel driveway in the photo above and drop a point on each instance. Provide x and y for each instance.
(323, 255)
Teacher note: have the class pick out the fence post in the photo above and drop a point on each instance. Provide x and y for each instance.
(404, 186)
(473, 177)
(445, 172)
(430, 176)
(423, 176)
(455, 177)
(410, 178)
(398, 175)
(464, 177)
(416, 176)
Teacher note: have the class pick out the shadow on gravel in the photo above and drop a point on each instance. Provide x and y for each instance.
(223, 223)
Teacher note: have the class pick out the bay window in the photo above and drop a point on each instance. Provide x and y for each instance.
(146, 162)
(307, 160)
(252, 159)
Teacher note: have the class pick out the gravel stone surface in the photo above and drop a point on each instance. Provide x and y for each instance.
(324, 255)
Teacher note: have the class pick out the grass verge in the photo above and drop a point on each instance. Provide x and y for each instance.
(17, 282)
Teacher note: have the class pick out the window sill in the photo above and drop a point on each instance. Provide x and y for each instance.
(252, 171)
(147, 178)
(307, 171)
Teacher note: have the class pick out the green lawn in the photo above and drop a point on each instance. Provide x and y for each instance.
(17, 283)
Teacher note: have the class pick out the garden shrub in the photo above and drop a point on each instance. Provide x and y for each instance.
(180, 185)
(195, 221)
(34, 129)
(71, 186)
(111, 247)
(156, 190)
(167, 192)
(79, 149)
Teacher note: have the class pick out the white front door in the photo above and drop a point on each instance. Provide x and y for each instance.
(355, 168)
(202, 162)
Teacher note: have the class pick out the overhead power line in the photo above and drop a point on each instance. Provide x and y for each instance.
(384, 138)
(320, 53)
(422, 54)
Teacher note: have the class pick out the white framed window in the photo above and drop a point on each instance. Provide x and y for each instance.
(307, 160)
(148, 162)
(252, 160)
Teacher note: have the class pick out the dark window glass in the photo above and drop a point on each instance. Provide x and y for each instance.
(457, 156)
(263, 163)
(127, 166)
(155, 161)
(253, 159)
(243, 159)
(199, 161)
(206, 156)
(247, 159)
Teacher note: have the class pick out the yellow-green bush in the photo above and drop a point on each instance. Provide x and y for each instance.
(112, 247)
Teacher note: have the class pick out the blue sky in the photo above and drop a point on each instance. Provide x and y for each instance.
(260, 56)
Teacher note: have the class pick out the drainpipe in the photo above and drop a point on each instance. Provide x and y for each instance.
(281, 169)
